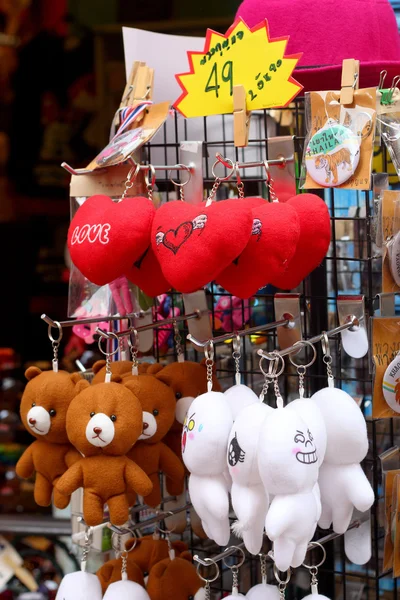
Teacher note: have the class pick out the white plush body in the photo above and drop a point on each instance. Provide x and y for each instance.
(263, 591)
(79, 586)
(125, 590)
(288, 465)
(311, 414)
(342, 481)
(204, 443)
(239, 397)
(250, 500)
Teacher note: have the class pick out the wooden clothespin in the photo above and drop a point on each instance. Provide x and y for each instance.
(350, 80)
(241, 117)
(130, 84)
(144, 81)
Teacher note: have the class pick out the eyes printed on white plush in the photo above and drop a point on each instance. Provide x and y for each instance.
(235, 454)
(310, 457)
(189, 423)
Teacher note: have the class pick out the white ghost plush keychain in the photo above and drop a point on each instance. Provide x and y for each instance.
(124, 589)
(342, 481)
(239, 396)
(205, 437)
(311, 414)
(81, 585)
(235, 572)
(250, 499)
(314, 572)
(288, 464)
(263, 590)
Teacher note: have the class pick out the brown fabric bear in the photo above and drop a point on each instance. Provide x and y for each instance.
(175, 580)
(103, 422)
(187, 380)
(140, 559)
(118, 368)
(44, 405)
(150, 453)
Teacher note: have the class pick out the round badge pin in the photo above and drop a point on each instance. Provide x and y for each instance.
(394, 258)
(332, 155)
(391, 384)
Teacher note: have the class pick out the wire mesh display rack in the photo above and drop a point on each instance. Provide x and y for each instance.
(352, 266)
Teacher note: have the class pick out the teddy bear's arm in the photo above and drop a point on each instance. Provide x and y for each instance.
(136, 479)
(25, 466)
(170, 464)
(71, 480)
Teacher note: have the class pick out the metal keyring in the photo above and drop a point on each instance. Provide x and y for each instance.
(325, 344)
(110, 334)
(304, 343)
(241, 561)
(210, 562)
(180, 184)
(131, 178)
(279, 580)
(236, 343)
(133, 332)
(227, 164)
(122, 550)
(151, 170)
(60, 333)
(135, 537)
(316, 545)
(266, 166)
(274, 362)
(209, 351)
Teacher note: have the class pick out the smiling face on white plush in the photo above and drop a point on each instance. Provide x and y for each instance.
(311, 414)
(205, 434)
(287, 456)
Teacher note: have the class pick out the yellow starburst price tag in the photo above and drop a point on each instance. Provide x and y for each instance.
(242, 56)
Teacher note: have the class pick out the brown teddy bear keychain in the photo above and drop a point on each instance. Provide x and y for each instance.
(122, 368)
(175, 579)
(103, 422)
(44, 405)
(150, 453)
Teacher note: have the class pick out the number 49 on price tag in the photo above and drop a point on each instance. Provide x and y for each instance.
(242, 56)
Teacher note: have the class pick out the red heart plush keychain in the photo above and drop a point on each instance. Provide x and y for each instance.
(194, 244)
(314, 240)
(106, 237)
(271, 247)
(145, 272)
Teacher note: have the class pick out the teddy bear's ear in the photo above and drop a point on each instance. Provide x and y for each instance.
(154, 369)
(116, 378)
(159, 569)
(32, 372)
(80, 386)
(76, 377)
(99, 364)
(186, 556)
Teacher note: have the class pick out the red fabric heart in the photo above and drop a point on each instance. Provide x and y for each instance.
(194, 244)
(147, 275)
(271, 247)
(314, 240)
(106, 237)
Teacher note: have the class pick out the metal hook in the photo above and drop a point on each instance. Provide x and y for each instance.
(382, 78)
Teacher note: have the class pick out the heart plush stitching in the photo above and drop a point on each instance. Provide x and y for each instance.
(187, 230)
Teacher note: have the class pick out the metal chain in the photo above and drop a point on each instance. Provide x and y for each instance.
(215, 187)
(270, 184)
(128, 185)
(108, 368)
(263, 561)
(209, 365)
(178, 343)
(236, 357)
(150, 192)
(55, 355)
(314, 580)
(279, 399)
(264, 390)
(235, 580)
(240, 189)
(301, 371)
(86, 549)
(328, 362)
(207, 590)
(282, 589)
(181, 193)
(124, 569)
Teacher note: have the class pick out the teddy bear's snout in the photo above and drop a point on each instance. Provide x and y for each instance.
(39, 420)
(149, 427)
(100, 430)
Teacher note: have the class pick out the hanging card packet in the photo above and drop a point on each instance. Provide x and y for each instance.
(390, 496)
(84, 297)
(339, 142)
(388, 121)
(391, 241)
(386, 359)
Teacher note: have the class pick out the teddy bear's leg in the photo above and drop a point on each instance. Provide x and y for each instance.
(174, 488)
(92, 509)
(43, 490)
(119, 509)
(154, 498)
(60, 501)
